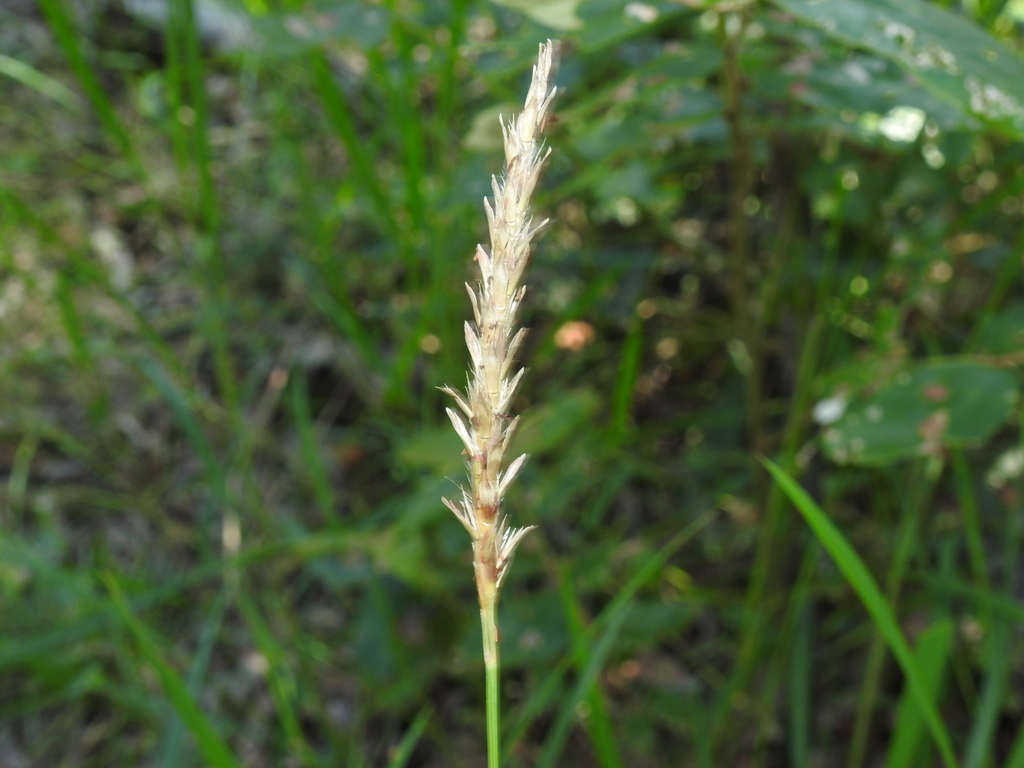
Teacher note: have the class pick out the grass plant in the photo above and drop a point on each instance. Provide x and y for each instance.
(230, 281)
(493, 340)
(877, 604)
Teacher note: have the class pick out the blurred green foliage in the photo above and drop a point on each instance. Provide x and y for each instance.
(233, 237)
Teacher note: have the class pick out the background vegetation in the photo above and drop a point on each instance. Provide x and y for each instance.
(233, 237)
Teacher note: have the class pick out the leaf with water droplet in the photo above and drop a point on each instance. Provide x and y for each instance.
(950, 55)
(942, 403)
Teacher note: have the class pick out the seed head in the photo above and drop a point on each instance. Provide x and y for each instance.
(484, 424)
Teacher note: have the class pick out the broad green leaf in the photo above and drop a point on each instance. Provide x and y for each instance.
(1004, 333)
(863, 583)
(863, 93)
(951, 56)
(683, 64)
(632, 181)
(359, 24)
(554, 14)
(607, 22)
(944, 403)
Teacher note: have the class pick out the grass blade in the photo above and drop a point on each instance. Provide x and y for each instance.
(931, 655)
(197, 670)
(186, 419)
(986, 719)
(70, 42)
(279, 681)
(972, 524)
(867, 590)
(33, 78)
(997, 666)
(21, 467)
(625, 383)
(411, 738)
(1016, 758)
(312, 460)
(922, 486)
(215, 752)
(599, 724)
(560, 732)
(800, 707)
(620, 604)
(344, 124)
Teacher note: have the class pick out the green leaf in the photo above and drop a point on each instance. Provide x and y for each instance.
(950, 55)
(178, 400)
(868, 86)
(33, 78)
(557, 738)
(215, 752)
(359, 24)
(533, 631)
(280, 681)
(586, 647)
(939, 404)
(858, 576)
(1016, 758)
(931, 656)
(70, 41)
(411, 738)
(607, 22)
(546, 427)
(435, 448)
(1004, 333)
(554, 14)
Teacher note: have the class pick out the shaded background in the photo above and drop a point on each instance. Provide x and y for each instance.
(233, 237)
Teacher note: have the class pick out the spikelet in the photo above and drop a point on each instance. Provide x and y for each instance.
(484, 425)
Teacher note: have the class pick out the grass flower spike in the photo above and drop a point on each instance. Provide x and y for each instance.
(493, 339)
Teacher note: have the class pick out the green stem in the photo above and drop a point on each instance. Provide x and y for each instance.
(492, 665)
(749, 324)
